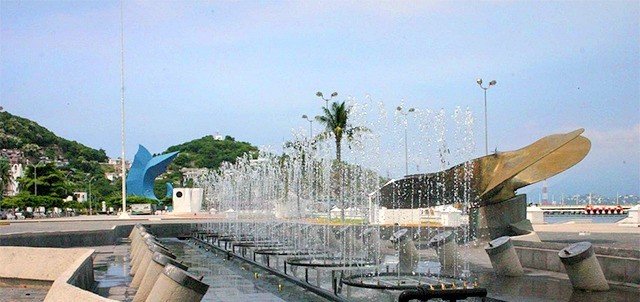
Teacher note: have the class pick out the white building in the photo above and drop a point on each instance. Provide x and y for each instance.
(16, 171)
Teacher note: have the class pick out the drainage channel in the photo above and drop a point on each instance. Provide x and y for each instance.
(234, 279)
(300, 283)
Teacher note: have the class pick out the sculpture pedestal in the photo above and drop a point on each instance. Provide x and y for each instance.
(494, 220)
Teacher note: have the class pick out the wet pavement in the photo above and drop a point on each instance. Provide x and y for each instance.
(235, 281)
(111, 272)
(228, 281)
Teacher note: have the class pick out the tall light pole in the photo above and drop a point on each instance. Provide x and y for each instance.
(90, 196)
(124, 214)
(320, 95)
(35, 179)
(406, 153)
(486, 140)
(304, 116)
(66, 183)
(35, 176)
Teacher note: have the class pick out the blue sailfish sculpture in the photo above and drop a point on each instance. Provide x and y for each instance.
(144, 170)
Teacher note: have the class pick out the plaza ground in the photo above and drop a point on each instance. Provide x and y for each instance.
(536, 285)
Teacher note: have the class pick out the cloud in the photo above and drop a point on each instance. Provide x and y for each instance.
(624, 138)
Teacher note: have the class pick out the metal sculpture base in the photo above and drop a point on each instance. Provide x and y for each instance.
(495, 219)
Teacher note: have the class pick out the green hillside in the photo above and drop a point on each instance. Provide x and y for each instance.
(36, 141)
(84, 171)
(208, 152)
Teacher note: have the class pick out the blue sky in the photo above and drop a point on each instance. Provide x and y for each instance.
(250, 69)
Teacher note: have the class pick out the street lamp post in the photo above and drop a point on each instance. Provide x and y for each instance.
(304, 116)
(406, 153)
(66, 183)
(35, 177)
(90, 196)
(486, 140)
(320, 95)
(124, 214)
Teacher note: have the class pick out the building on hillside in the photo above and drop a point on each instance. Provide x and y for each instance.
(117, 162)
(80, 196)
(111, 176)
(13, 155)
(16, 170)
(11, 188)
(115, 165)
(192, 173)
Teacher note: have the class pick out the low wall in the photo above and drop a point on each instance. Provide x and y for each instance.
(68, 271)
(60, 238)
(75, 283)
(618, 265)
(47, 259)
(38, 264)
(79, 238)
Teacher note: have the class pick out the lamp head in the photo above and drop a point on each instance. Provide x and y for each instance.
(304, 116)
(399, 108)
(412, 109)
(479, 81)
(319, 94)
(334, 94)
(492, 83)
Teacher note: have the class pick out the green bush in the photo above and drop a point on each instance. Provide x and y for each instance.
(116, 201)
(167, 201)
(27, 200)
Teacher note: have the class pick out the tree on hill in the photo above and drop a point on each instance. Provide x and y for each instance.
(36, 141)
(208, 152)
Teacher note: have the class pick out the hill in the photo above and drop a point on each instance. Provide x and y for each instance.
(37, 141)
(210, 152)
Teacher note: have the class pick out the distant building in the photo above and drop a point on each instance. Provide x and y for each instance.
(56, 162)
(14, 155)
(80, 196)
(16, 170)
(116, 165)
(192, 173)
(118, 162)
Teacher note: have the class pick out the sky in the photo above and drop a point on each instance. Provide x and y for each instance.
(250, 69)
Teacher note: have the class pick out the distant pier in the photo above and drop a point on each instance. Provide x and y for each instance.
(585, 210)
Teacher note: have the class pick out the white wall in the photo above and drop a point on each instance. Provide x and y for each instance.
(187, 200)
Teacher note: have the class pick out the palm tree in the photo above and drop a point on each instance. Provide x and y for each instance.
(336, 122)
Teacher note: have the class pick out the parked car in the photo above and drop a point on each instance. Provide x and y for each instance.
(6, 215)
